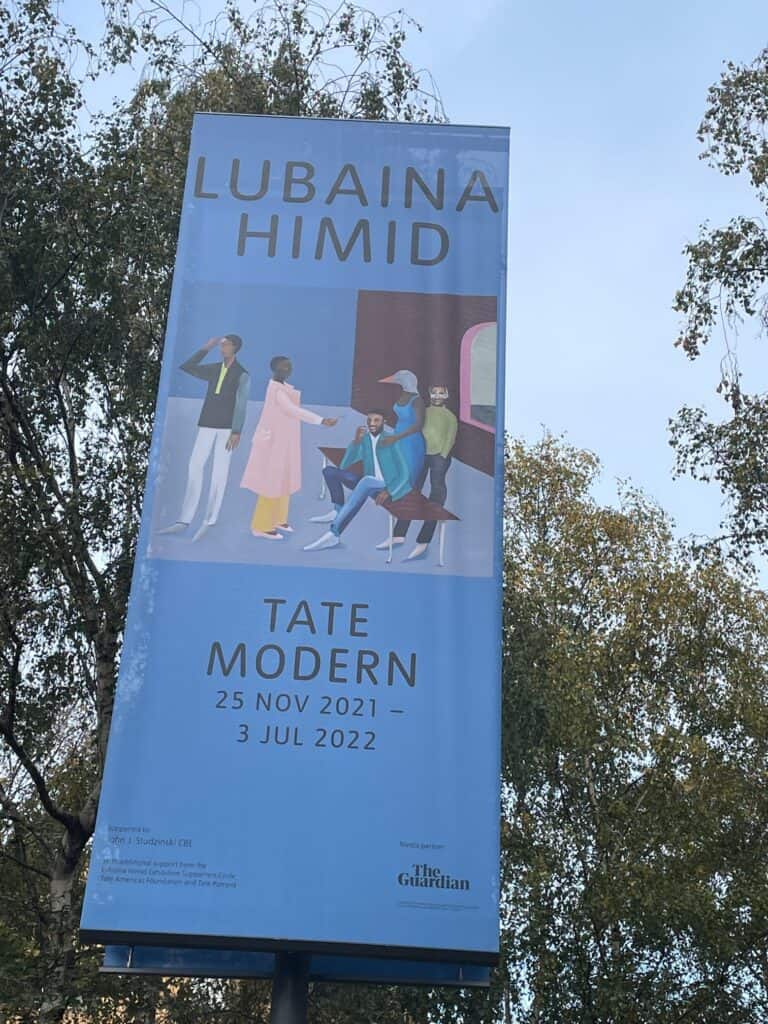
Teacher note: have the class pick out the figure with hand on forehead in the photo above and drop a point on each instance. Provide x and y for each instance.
(218, 429)
(273, 470)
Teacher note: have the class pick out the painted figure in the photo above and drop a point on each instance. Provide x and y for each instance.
(409, 410)
(440, 428)
(218, 429)
(407, 435)
(385, 477)
(273, 470)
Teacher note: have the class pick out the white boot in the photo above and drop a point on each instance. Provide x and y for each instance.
(326, 517)
(178, 527)
(328, 540)
(417, 552)
(384, 546)
(202, 531)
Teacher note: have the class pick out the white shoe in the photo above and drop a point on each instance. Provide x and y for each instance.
(284, 528)
(417, 552)
(328, 540)
(178, 527)
(384, 546)
(267, 536)
(326, 517)
(202, 531)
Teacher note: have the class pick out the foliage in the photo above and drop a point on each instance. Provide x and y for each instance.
(635, 761)
(88, 224)
(634, 819)
(725, 288)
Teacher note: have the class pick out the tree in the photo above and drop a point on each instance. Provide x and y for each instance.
(724, 290)
(88, 228)
(635, 762)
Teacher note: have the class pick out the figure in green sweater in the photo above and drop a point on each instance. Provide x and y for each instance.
(440, 427)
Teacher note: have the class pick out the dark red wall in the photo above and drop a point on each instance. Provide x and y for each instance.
(422, 333)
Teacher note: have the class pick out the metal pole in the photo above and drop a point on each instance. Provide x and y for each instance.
(290, 986)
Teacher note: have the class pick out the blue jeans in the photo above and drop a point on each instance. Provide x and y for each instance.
(337, 479)
(366, 487)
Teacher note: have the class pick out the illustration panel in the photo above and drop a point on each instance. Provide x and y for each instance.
(379, 458)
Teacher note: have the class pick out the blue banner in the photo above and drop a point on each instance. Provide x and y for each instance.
(305, 743)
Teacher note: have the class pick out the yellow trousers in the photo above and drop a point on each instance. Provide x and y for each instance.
(269, 513)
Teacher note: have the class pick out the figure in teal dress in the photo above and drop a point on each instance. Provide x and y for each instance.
(409, 410)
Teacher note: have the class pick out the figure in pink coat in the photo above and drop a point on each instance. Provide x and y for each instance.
(274, 464)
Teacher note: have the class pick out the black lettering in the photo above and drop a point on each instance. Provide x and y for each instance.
(331, 606)
(356, 189)
(409, 675)
(281, 742)
(297, 666)
(327, 228)
(487, 197)
(217, 652)
(244, 234)
(336, 663)
(423, 261)
(355, 620)
(367, 662)
(234, 182)
(200, 192)
(304, 182)
(296, 619)
(260, 655)
(296, 246)
(412, 177)
(391, 238)
(274, 601)
(386, 175)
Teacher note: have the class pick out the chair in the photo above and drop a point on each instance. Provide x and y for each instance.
(413, 506)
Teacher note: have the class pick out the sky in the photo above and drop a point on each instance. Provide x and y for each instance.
(603, 100)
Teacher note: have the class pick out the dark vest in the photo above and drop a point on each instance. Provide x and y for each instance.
(219, 410)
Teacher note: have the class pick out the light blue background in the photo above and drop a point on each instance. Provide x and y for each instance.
(274, 320)
(313, 836)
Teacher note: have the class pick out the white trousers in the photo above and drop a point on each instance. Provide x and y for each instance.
(209, 439)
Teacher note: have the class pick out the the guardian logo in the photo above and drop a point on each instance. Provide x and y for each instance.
(424, 876)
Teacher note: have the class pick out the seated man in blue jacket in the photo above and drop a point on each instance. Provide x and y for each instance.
(385, 476)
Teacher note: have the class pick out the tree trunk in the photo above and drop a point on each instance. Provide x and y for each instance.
(59, 938)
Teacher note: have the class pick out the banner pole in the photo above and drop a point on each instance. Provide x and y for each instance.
(290, 987)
